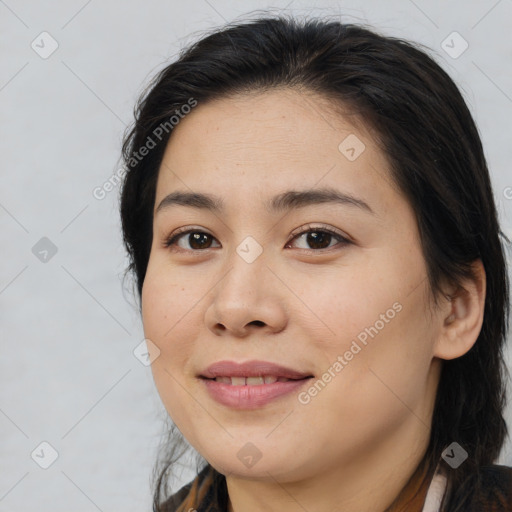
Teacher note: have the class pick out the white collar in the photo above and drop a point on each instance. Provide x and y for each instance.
(435, 492)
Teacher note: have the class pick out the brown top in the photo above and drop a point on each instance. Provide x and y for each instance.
(495, 494)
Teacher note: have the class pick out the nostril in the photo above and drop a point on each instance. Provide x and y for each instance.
(257, 322)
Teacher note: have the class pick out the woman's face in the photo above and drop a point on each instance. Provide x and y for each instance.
(333, 289)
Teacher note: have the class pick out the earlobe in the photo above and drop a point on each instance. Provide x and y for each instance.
(462, 317)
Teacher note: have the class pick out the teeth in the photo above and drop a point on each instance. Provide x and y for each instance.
(250, 381)
(254, 381)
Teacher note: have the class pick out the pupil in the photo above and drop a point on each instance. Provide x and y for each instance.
(195, 240)
(315, 239)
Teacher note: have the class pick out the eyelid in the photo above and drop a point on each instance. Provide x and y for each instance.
(319, 227)
(171, 239)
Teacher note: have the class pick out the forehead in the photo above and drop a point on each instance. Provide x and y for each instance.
(249, 145)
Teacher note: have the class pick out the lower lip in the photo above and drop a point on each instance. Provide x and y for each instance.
(250, 397)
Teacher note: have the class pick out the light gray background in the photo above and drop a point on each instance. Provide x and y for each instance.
(68, 372)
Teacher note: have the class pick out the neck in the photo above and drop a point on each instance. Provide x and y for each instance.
(386, 480)
(412, 497)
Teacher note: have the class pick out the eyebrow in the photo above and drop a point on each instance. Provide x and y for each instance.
(288, 200)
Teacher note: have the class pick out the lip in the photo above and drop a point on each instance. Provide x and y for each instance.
(251, 369)
(251, 397)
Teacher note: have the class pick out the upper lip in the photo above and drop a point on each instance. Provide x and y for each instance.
(251, 369)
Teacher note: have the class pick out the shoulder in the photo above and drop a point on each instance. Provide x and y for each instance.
(487, 489)
(173, 502)
(495, 489)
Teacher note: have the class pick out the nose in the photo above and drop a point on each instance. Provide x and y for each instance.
(249, 298)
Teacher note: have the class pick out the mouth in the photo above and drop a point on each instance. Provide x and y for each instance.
(251, 373)
(251, 381)
(251, 385)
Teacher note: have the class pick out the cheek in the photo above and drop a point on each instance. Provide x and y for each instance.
(348, 302)
(375, 321)
(167, 305)
(160, 315)
(382, 386)
(169, 322)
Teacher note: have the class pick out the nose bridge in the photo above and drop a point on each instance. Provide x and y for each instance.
(247, 264)
(246, 294)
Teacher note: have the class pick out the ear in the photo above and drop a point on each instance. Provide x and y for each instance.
(462, 316)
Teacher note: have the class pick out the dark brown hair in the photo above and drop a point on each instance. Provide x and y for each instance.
(425, 129)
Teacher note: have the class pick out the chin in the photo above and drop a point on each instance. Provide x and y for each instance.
(248, 462)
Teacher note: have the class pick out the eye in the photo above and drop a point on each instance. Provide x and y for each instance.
(197, 239)
(319, 238)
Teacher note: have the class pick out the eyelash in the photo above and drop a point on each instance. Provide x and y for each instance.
(342, 241)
